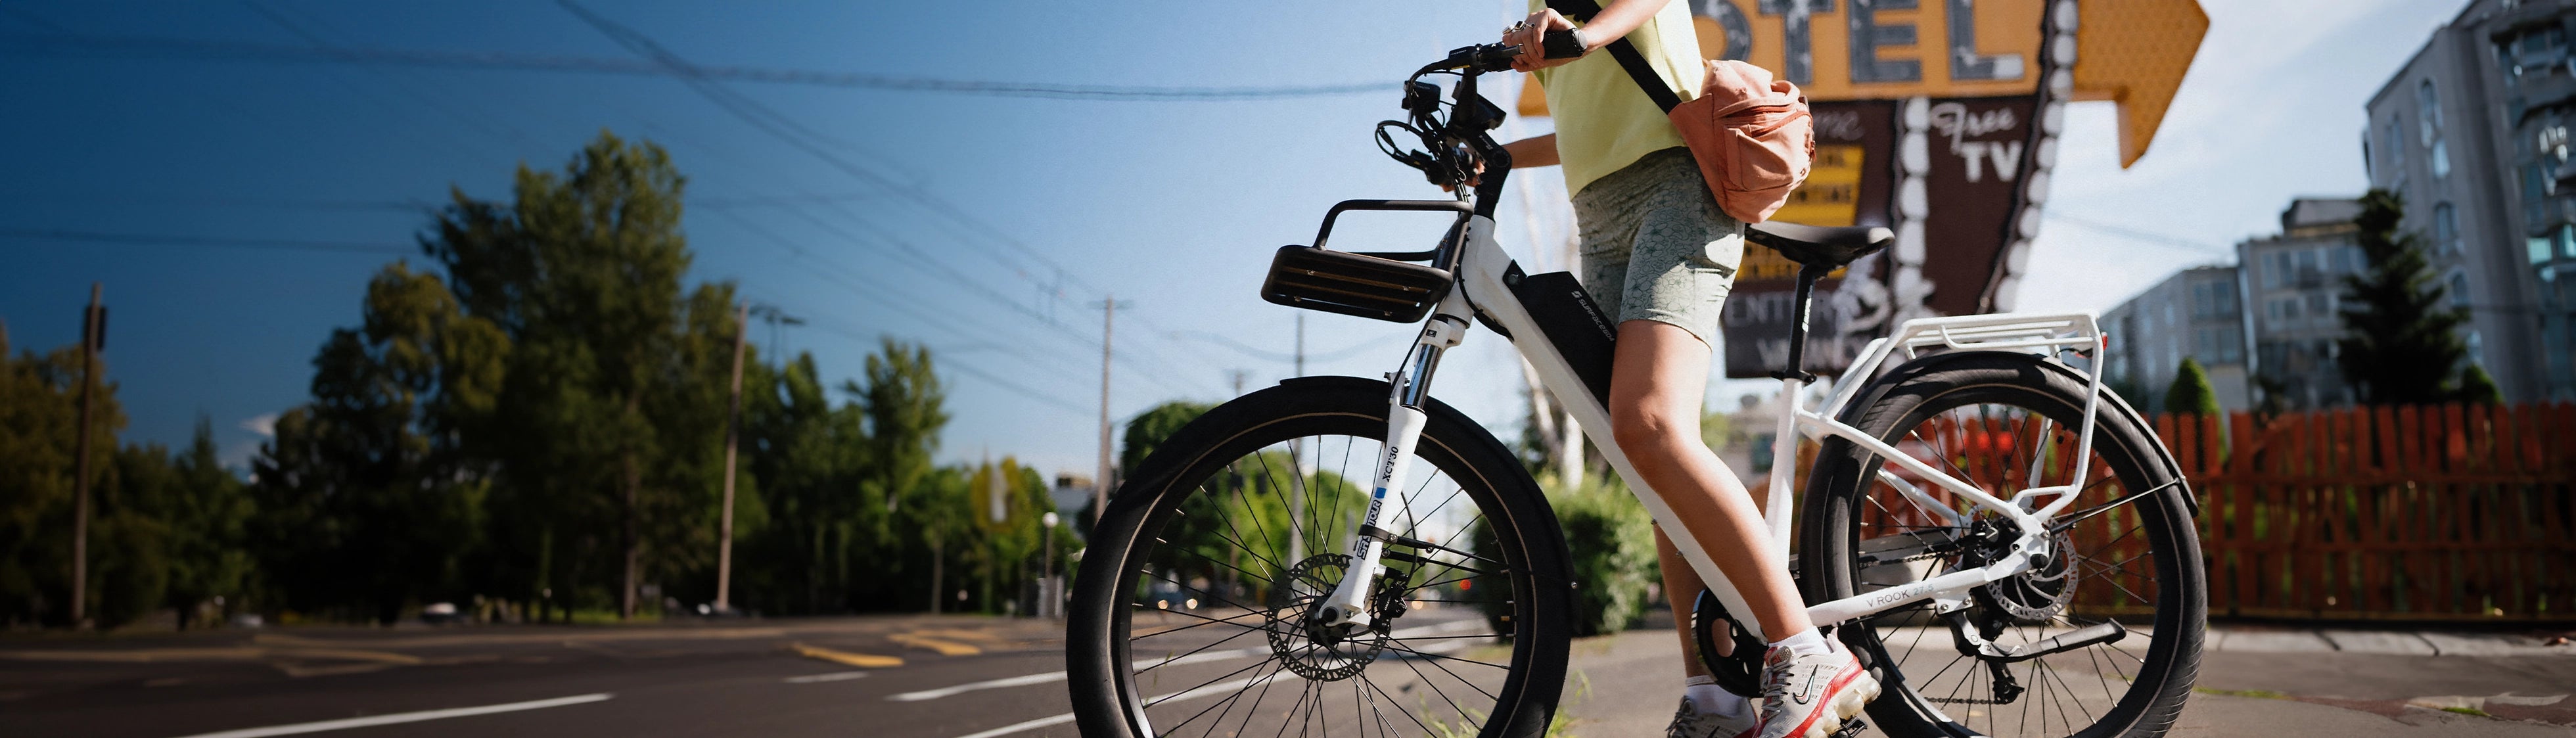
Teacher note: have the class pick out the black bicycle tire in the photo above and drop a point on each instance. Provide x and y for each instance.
(2121, 438)
(1534, 543)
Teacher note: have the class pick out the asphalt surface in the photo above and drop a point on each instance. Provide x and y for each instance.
(989, 677)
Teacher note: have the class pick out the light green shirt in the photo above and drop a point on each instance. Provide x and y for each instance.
(1603, 121)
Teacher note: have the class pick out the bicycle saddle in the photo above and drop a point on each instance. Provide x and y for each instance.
(1821, 246)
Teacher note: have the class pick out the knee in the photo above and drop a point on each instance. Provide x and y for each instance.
(1647, 432)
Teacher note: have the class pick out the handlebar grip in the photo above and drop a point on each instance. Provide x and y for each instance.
(1560, 45)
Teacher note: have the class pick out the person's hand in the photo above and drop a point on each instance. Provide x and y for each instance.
(1473, 178)
(1530, 34)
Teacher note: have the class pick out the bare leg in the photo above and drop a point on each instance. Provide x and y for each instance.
(1658, 379)
(1681, 586)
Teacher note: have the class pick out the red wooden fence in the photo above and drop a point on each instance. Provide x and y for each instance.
(2458, 513)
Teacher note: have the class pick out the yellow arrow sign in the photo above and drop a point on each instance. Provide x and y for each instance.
(2134, 53)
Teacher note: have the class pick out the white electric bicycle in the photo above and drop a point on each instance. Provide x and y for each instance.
(2005, 544)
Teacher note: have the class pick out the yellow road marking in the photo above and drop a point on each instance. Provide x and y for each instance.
(945, 648)
(862, 660)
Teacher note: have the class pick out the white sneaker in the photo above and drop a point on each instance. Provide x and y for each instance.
(1811, 696)
(1689, 722)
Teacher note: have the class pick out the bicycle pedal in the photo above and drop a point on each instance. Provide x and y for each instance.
(1850, 728)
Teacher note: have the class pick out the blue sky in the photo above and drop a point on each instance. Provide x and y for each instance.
(1174, 206)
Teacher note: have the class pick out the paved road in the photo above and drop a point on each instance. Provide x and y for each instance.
(960, 677)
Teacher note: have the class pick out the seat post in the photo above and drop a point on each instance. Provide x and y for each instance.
(1806, 297)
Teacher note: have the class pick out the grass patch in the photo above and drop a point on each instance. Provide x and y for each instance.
(2468, 711)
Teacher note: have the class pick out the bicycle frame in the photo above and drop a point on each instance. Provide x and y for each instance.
(1481, 264)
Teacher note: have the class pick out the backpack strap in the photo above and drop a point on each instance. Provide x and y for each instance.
(1627, 54)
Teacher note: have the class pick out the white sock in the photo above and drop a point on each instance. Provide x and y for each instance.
(1810, 642)
(1706, 697)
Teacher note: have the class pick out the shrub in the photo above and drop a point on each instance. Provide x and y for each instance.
(1612, 542)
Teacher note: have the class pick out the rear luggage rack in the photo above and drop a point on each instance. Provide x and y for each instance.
(1361, 284)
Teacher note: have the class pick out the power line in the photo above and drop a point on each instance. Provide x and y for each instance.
(2145, 236)
(141, 239)
(862, 285)
(787, 130)
(151, 47)
(833, 325)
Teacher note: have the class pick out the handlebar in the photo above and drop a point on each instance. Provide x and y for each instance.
(1561, 45)
(1478, 58)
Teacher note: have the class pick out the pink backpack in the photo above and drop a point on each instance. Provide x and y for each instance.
(1752, 136)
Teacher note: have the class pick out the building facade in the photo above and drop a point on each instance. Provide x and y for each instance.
(2195, 313)
(2472, 131)
(2293, 286)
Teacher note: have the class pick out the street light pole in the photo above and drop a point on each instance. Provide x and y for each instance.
(733, 434)
(1048, 598)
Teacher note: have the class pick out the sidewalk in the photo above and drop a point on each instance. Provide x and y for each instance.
(2254, 680)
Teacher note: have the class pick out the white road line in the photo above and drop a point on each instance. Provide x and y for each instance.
(1017, 681)
(1058, 676)
(402, 717)
(832, 677)
(1206, 691)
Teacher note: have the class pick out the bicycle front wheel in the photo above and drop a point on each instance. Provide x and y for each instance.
(1190, 616)
(2125, 560)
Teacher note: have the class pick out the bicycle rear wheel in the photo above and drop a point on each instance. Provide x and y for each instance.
(2129, 561)
(1189, 616)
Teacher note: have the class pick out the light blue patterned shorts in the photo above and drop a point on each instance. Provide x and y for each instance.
(1655, 245)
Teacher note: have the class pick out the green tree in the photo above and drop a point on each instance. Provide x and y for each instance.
(367, 497)
(2477, 388)
(2399, 345)
(613, 375)
(2190, 392)
(905, 405)
(39, 407)
(208, 511)
(1146, 432)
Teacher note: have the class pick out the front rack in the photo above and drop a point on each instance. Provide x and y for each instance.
(1381, 286)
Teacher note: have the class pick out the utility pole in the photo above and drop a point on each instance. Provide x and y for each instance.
(1237, 375)
(92, 329)
(733, 439)
(1108, 328)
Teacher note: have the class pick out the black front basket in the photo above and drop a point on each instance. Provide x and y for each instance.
(1352, 284)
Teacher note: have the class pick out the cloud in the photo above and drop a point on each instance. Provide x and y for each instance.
(264, 424)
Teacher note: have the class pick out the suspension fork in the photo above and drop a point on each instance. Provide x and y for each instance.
(1347, 608)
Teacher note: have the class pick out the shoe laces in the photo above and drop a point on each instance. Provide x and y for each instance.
(1775, 680)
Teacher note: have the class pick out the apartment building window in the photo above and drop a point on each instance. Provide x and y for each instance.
(2218, 345)
(2282, 310)
(2459, 290)
(2212, 300)
(2320, 306)
(2392, 139)
(2446, 228)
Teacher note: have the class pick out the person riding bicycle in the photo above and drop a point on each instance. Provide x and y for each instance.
(1659, 256)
